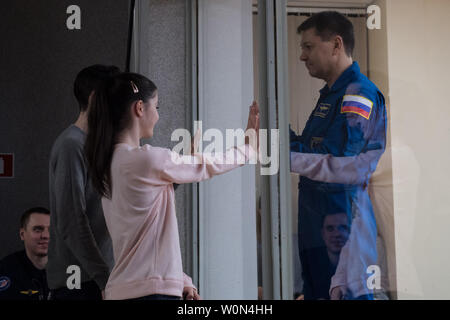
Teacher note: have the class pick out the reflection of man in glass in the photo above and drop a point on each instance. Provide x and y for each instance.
(337, 152)
(335, 232)
(323, 260)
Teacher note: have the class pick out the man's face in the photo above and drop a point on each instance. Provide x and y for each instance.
(317, 54)
(335, 231)
(36, 235)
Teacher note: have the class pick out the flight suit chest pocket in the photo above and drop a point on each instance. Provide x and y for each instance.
(322, 110)
(316, 142)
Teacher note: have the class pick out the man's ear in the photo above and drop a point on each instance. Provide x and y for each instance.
(21, 232)
(338, 44)
(90, 98)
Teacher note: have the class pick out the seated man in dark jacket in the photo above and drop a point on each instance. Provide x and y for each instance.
(22, 274)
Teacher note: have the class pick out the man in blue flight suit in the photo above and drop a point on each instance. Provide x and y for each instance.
(336, 153)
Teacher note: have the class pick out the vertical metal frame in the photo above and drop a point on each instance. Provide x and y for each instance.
(202, 286)
(269, 225)
(286, 261)
(192, 103)
(134, 65)
(275, 190)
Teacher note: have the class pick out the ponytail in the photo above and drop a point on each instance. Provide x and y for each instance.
(100, 141)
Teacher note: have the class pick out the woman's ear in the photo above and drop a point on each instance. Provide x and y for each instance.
(138, 108)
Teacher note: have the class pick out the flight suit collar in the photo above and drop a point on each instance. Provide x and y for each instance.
(343, 79)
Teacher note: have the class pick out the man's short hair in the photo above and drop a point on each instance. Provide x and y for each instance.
(90, 79)
(335, 203)
(329, 24)
(324, 217)
(26, 215)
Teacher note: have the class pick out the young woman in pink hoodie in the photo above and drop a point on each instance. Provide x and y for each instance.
(136, 184)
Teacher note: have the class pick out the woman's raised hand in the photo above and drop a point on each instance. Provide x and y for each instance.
(253, 124)
(253, 117)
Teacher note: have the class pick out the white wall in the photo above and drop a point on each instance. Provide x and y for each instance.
(228, 261)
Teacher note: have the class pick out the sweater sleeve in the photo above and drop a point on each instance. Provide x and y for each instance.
(187, 169)
(72, 223)
(327, 168)
(188, 281)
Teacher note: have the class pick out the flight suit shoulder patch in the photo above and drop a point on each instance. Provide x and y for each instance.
(358, 105)
(5, 282)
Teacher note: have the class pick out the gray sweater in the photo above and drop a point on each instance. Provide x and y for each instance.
(78, 233)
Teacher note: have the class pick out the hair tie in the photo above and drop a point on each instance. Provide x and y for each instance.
(134, 87)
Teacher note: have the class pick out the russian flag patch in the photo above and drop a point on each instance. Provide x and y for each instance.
(357, 104)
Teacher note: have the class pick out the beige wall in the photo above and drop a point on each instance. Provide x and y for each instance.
(416, 66)
(381, 186)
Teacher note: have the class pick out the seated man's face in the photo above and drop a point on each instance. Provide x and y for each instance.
(36, 235)
(335, 231)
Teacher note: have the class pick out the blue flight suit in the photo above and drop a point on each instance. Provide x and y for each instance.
(347, 125)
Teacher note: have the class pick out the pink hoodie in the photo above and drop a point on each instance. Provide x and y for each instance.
(141, 216)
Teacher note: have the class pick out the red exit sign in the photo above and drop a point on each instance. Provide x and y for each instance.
(6, 165)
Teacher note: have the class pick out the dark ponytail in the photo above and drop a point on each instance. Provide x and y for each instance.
(108, 117)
